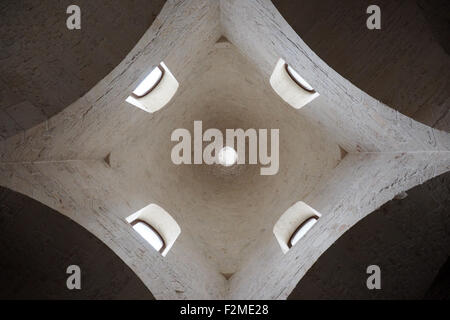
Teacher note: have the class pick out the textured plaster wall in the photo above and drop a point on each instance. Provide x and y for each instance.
(408, 239)
(61, 162)
(406, 64)
(44, 67)
(439, 289)
(37, 244)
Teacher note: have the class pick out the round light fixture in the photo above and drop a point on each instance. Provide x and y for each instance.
(227, 156)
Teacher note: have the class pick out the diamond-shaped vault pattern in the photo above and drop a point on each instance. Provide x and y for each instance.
(226, 219)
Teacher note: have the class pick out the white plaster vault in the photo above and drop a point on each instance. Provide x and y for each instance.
(101, 159)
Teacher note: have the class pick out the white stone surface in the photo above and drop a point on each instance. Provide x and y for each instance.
(226, 220)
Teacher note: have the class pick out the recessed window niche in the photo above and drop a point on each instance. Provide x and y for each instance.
(155, 90)
(293, 224)
(150, 234)
(156, 226)
(290, 86)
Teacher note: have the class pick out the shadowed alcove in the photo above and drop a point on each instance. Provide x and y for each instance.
(409, 239)
(37, 244)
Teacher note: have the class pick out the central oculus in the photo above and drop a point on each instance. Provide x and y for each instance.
(227, 156)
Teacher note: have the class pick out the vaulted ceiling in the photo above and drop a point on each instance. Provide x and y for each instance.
(37, 246)
(409, 239)
(226, 221)
(406, 64)
(44, 67)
